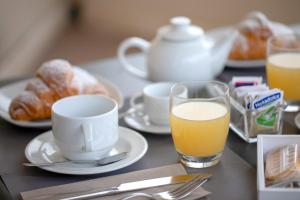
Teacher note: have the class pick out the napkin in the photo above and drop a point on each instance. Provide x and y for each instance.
(106, 182)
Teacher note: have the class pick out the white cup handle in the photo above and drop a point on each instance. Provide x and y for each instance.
(87, 131)
(126, 44)
(133, 99)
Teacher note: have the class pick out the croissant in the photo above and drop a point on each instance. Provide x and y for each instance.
(254, 32)
(54, 80)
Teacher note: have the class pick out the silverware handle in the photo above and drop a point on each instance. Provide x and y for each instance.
(110, 191)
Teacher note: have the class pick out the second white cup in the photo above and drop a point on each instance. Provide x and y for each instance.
(156, 102)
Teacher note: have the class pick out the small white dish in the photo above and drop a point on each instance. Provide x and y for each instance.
(8, 92)
(297, 120)
(42, 149)
(137, 119)
(265, 144)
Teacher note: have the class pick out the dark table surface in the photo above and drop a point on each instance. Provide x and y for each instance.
(233, 178)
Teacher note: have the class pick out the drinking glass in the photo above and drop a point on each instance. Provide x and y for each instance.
(199, 118)
(283, 67)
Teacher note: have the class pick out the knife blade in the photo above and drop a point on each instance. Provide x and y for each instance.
(129, 186)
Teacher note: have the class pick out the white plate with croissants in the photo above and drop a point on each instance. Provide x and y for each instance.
(249, 47)
(28, 103)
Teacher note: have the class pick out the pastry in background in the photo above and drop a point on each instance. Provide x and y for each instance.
(254, 32)
(54, 80)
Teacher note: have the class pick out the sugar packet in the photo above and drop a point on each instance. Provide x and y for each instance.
(259, 100)
(238, 81)
(239, 93)
(264, 113)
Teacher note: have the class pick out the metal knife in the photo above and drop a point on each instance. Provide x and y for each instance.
(126, 187)
(104, 161)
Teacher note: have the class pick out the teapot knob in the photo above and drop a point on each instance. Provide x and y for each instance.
(180, 29)
(179, 22)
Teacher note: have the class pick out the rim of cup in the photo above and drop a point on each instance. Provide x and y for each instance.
(224, 85)
(158, 86)
(63, 100)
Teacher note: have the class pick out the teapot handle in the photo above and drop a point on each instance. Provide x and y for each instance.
(126, 44)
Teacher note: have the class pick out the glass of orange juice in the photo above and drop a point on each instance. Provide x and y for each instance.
(283, 66)
(199, 119)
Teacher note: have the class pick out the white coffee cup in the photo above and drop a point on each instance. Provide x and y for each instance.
(156, 102)
(85, 127)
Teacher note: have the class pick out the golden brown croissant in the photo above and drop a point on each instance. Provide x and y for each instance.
(27, 106)
(54, 80)
(254, 32)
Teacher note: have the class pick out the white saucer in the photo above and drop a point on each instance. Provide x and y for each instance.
(43, 149)
(8, 92)
(297, 120)
(137, 119)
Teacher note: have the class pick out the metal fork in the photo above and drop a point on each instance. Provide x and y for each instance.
(178, 193)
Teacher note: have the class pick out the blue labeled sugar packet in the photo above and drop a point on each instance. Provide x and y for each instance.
(265, 104)
(271, 98)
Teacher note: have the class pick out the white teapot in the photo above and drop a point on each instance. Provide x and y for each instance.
(179, 52)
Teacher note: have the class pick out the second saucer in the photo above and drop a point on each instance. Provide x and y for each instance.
(153, 114)
(136, 118)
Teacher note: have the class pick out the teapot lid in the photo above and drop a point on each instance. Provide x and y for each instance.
(180, 29)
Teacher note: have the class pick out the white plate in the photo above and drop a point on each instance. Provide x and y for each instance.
(8, 92)
(43, 149)
(245, 63)
(297, 120)
(137, 119)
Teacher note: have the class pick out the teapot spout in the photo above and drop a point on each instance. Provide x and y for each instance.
(220, 51)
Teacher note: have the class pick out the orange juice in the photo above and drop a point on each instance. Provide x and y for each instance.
(283, 72)
(199, 128)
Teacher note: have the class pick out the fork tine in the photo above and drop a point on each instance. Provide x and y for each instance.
(188, 192)
(179, 193)
(187, 186)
